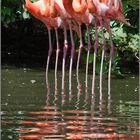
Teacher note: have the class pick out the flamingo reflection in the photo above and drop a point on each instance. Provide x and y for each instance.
(86, 119)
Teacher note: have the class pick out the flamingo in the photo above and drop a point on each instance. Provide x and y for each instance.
(69, 8)
(98, 22)
(72, 26)
(59, 7)
(92, 9)
(81, 9)
(100, 15)
(101, 9)
(39, 10)
(51, 12)
(67, 24)
(104, 10)
(115, 12)
(34, 9)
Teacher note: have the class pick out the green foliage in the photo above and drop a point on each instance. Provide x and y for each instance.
(12, 11)
(134, 3)
(125, 41)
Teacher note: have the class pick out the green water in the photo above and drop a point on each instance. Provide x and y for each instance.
(33, 111)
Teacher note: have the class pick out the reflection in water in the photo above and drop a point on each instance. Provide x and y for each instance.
(85, 119)
(109, 103)
(48, 91)
(78, 92)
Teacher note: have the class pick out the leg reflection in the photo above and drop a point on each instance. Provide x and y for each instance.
(63, 97)
(109, 102)
(48, 91)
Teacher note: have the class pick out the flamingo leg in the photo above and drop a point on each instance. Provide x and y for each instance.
(64, 56)
(49, 54)
(110, 60)
(96, 44)
(80, 49)
(72, 55)
(89, 47)
(57, 53)
(103, 53)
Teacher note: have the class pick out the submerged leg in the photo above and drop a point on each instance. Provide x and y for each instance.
(103, 53)
(72, 55)
(57, 53)
(110, 60)
(64, 56)
(89, 47)
(96, 44)
(49, 53)
(80, 49)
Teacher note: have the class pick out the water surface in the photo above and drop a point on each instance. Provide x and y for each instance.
(32, 110)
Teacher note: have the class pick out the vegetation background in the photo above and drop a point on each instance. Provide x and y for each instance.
(25, 40)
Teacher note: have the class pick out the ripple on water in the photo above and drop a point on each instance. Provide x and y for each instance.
(33, 113)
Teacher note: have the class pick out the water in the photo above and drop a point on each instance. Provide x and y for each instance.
(33, 111)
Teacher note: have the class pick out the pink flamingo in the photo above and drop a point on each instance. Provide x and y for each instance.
(50, 12)
(67, 24)
(92, 9)
(35, 10)
(39, 10)
(82, 15)
(72, 26)
(63, 15)
(106, 9)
